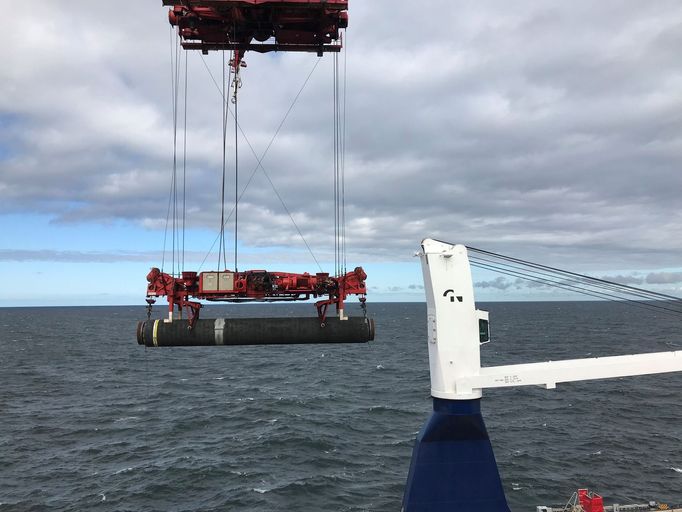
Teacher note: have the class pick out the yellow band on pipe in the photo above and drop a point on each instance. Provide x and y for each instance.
(155, 332)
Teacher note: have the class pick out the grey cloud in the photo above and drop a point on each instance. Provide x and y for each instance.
(628, 279)
(507, 130)
(650, 278)
(533, 285)
(75, 256)
(416, 287)
(664, 278)
(499, 283)
(654, 278)
(150, 257)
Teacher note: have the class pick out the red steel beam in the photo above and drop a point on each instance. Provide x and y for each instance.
(259, 285)
(283, 25)
(340, 5)
(263, 47)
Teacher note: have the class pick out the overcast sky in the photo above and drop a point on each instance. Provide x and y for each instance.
(551, 131)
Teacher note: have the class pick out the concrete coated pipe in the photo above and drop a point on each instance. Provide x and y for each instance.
(254, 331)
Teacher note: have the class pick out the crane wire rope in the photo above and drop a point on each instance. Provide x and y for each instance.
(170, 193)
(339, 171)
(574, 288)
(237, 85)
(612, 290)
(580, 280)
(259, 160)
(172, 211)
(184, 164)
(574, 275)
(587, 285)
(343, 149)
(222, 252)
(176, 224)
(221, 231)
(235, 64)
(335, 105)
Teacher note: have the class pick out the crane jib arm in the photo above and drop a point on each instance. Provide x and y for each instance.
(260, 25)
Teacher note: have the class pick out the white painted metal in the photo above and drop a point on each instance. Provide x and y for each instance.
(219, 330)
(551, 373)
(452, 318)
(454, 343)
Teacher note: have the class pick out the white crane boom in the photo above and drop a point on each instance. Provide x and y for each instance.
(456, 329)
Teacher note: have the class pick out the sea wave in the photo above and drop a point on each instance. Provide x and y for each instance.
(288, 429)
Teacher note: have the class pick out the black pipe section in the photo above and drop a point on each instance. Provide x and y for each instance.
(254, 331)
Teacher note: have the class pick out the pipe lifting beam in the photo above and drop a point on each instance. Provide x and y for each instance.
(254, 285)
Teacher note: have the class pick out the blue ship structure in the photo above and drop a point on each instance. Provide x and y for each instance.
(453, 466)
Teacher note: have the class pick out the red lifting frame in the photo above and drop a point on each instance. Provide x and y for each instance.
(286, 25)
(252, 285)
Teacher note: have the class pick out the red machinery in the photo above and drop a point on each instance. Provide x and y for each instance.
(290, 25)
(590, 501)
(254, 285)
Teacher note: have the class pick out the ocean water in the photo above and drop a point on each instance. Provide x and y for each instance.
(89, 420)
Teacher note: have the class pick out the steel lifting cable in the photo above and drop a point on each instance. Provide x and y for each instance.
(237, 85)
(234, 66)
(335, 103)
(176, 219)
(343, 151)
(540, 280)
(174, 184)
(259, 160)
(172, 196)
(577, 289)
(574, 275)
(184, 165)
(339, 171)
(170, 193)
(222, 259)
(583, 281)
(613, 291)
(587, 285)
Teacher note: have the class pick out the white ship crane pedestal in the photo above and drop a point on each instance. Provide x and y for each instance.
(453, 467)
